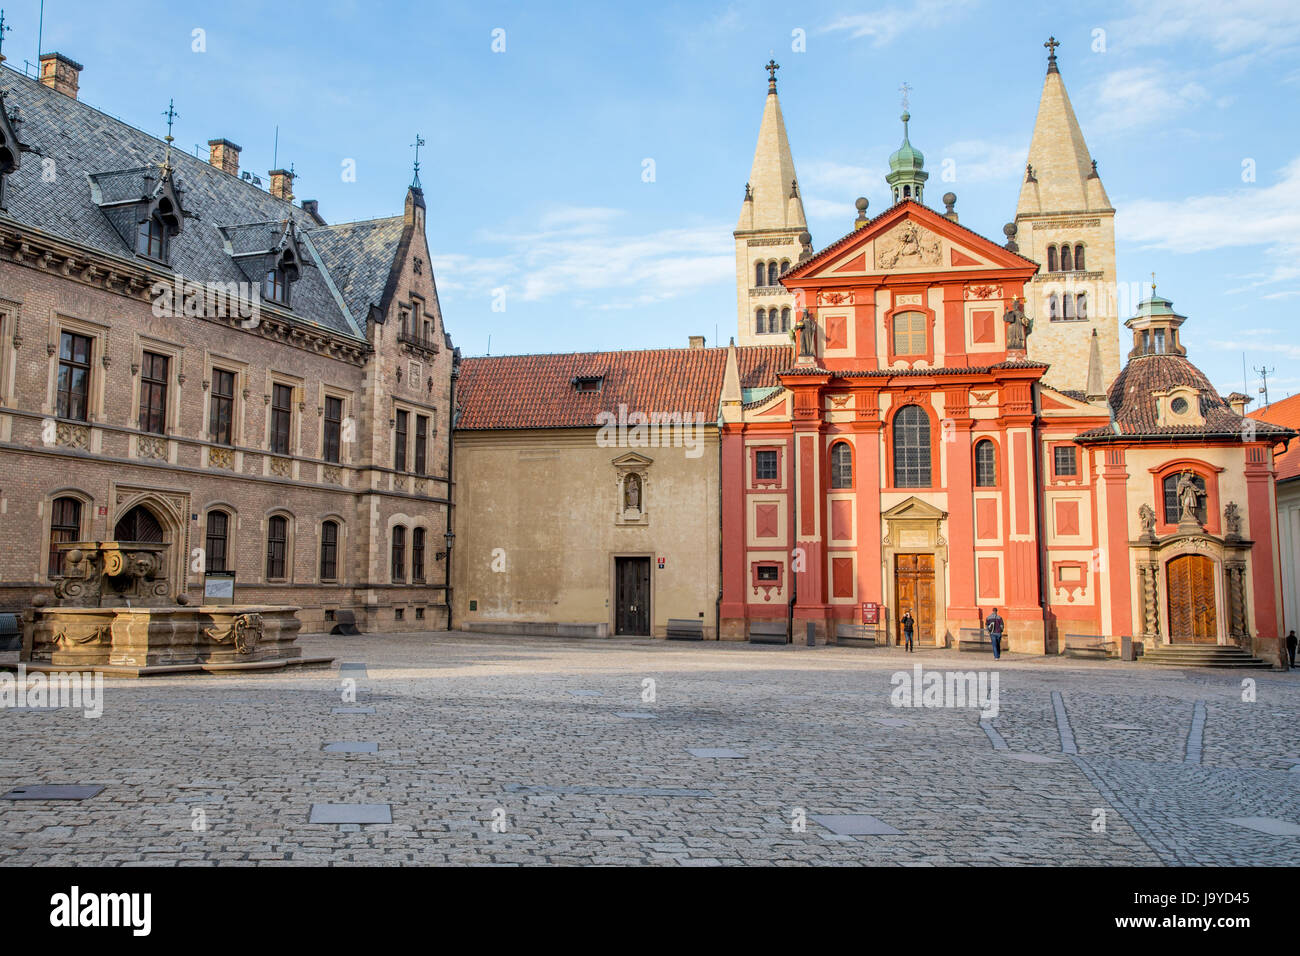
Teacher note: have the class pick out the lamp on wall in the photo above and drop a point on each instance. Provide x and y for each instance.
(450, 538)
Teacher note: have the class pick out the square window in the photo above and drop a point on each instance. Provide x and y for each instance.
(765, 466)
(768, 572)
(1065, 461)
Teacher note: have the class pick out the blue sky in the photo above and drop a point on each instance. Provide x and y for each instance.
(533, 172)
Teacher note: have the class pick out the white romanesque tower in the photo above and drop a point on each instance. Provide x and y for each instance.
(1064, 222)
(772, 234)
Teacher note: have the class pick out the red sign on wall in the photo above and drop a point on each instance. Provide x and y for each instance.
(870, 612)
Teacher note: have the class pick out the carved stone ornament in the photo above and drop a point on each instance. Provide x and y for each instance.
(906, 246)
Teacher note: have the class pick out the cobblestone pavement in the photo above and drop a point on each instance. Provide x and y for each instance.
(532, 734)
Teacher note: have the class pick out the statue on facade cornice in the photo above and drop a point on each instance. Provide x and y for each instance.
(1189, 498)
(807, 329)
(1147, 519)
(1019, 325)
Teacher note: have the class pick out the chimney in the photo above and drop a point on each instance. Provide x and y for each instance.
(312, 208)
(224, 155)
(60, 73)
(1237, 402)
(282, 184)
(696, 342)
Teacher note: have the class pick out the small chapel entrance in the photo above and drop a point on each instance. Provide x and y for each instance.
(632, 596)
(914, 590)
(1192, 613)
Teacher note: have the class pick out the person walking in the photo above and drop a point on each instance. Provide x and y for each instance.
(994, 625)
(1290, 646)
(908, 626)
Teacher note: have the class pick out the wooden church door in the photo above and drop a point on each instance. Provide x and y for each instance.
(1192, 614)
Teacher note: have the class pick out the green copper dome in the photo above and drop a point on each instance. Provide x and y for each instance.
(907, 173)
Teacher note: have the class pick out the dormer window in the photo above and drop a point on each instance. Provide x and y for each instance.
(149, 239)
(587, 383)
(275, 286)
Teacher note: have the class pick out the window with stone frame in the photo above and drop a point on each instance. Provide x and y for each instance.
(74, 376)
(399, 441)
(986, 464)
(910, 334)
(277, 547)
(153, 393)
(421, 443)
(65, 527)
(765, 466)
(329, 551)
(221, 407)
(333, 437)
(1065, 461)
(911, 448)
(841, 465)
(417, 555)
(281, 418)
(216, 541)
(397, 566)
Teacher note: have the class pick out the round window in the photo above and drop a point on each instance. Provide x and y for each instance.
(1178, 405)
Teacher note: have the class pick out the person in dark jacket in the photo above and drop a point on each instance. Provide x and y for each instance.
(1290, 646)
(995, 625)
(908, 626)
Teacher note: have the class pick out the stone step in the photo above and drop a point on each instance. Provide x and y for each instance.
(1202, 655)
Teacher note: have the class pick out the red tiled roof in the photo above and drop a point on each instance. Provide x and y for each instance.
(537, 391)
(1133, 404)
(1287, 414)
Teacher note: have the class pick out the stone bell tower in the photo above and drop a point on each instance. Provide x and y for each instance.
(1065, 222)
(772, 234)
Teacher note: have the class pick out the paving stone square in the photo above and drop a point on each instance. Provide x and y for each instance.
(475, 730)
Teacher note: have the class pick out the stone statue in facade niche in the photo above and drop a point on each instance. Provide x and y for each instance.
(1019, 325)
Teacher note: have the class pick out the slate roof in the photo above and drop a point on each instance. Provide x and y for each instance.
(1287, 414)
(1133, 405)
(536, 391)
(88, 146)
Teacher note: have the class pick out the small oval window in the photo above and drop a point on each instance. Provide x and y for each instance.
(1178, 405)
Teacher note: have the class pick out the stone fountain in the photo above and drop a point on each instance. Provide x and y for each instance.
(114, 612)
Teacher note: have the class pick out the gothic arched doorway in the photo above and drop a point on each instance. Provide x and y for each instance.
(1193, 617)
(138, 524)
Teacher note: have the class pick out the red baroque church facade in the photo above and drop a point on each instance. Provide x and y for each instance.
(913, 459)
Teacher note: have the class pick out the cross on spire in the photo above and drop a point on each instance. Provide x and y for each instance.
(772, 67)
(4, 28)
(1051, 44)
(905, 90)
(172, 116)
(1153, 285)
(419, 141)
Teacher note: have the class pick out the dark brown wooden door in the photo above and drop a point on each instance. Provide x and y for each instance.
(138, 524)
(1192, 614)
(631, 595)
(914, 591)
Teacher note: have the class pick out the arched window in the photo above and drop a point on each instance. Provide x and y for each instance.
(773, 317)
(1078, 257)
(1173, 507)
(911, 448)
(907, 192)
(1067, 306)
(217, 541)
(329, 551)
(1081, 305)
(1067, 261)
(277, 547)
(772, 274)
(785, 266)
(986, 464)
(785, 320)
(65, 526)
(841, 465)
(399, 554)
(760, 274)
(1051, 259)
(760, 322)
(1053, 306)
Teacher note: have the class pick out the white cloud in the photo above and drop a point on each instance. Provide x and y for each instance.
(884, 25)
(1141, 95)
(1242, 27)
(576, 252)
(1247, 216)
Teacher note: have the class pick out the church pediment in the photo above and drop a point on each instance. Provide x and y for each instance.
(907, 238)
(914, 508)
(632, 460)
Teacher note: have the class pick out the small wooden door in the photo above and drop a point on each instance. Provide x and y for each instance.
(1192, 613)
(914, 591)
(631, 595)
(138, 524)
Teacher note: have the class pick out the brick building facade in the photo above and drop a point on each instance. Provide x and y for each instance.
(185, 355)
